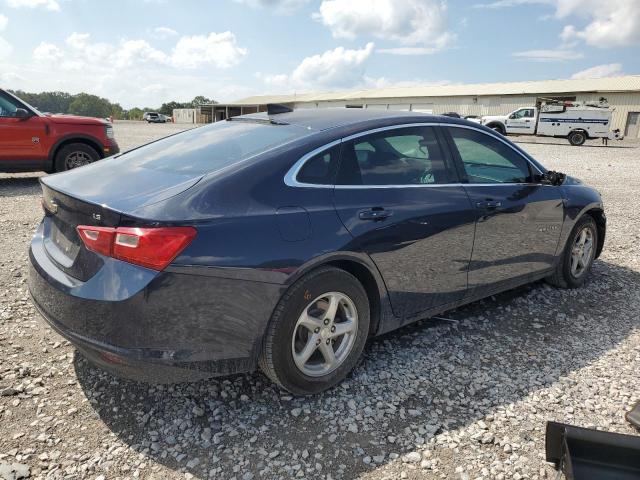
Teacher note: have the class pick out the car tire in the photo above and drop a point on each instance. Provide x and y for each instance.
(565, 275)
(75, 155)
(577, 138)
(299, 325)
(498, 128)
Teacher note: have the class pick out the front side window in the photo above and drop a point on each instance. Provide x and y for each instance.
(8, 107)
(403, 156)
(488, 160)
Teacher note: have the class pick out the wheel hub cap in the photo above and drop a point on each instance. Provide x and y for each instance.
(582, 252)
(324, 334)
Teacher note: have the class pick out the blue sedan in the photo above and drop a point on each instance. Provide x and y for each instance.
(284, 240)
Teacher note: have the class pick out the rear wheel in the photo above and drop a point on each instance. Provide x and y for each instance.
(75, 155)
(578, 256)
(317, 332)
(577, 138)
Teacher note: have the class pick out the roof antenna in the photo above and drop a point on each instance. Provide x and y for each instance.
(276, 108)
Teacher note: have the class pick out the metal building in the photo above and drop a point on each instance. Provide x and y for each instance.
(622, 93)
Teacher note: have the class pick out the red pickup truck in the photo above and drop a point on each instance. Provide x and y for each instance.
(30, 140)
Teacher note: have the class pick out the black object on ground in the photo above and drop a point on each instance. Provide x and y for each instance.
(586, 454)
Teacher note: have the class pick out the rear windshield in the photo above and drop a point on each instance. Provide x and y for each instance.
(212, 147)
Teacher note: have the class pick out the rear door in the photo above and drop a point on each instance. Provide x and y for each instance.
(521, 122)
(518, 220)
(399, 198)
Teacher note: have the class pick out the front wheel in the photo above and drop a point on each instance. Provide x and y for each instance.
(75, 155)
(578, 256)
(317, 332)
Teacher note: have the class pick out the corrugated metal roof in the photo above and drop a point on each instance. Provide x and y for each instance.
(628, 83)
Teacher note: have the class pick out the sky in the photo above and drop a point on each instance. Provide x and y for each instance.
(146, 52)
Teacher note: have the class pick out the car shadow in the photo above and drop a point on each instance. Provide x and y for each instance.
(16, 186)
(427, 378)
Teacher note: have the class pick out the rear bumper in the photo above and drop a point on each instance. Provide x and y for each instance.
(175, 327)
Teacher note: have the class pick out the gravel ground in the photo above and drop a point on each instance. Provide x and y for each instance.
(464, 399)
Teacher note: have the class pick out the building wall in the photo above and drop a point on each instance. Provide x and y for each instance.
(184, 115)
(622, 103)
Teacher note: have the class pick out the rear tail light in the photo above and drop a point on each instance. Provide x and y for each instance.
(153, 248)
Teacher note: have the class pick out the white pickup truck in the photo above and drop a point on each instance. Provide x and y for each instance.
(575, 122)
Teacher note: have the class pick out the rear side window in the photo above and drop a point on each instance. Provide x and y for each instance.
(321, 168)
(212, 147)
(487, 160)
(403, 156)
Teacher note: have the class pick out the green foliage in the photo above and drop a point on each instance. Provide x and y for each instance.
(135, 114)
(52, 102)
(93, 106)
(90, 106)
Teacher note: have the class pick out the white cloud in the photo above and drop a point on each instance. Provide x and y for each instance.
(608, 24)
(419, 23)
(48, 4)
(5, 47)
(218, 49)
(130, 71)
(281, 7)
(600, 71)
(164, 32)
(47, 52)
(337, 68)
(611, 24)
(557, 55)
(408, 50)
(511, 3)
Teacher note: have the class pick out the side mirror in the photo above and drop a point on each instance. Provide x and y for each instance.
(22, 114)
(552, 178)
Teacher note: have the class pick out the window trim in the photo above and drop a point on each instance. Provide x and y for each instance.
(290, 178)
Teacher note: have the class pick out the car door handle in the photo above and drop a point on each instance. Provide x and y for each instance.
(489, 204)
(527, 121)
(375, 214)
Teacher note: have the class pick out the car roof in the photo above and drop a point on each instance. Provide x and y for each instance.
(326, 118)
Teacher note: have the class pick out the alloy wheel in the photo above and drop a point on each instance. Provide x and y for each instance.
(324, 334)
(582, 252)
(76, 159)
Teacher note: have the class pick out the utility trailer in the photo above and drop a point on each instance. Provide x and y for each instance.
(574, 121)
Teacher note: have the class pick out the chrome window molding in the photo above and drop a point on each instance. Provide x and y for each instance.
(291, 180)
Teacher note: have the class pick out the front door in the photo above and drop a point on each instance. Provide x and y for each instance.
(518, 221)
(20, 138)
(521, 122)
(398, 198)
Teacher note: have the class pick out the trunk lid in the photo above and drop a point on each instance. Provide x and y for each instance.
(62, 243)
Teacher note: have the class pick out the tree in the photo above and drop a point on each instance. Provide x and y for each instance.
(90, 106)
(200, 100)
(169, 107)
(117, 111)
(53, 102)
(135, 114)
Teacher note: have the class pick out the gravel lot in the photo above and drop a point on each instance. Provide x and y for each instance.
(463, 399)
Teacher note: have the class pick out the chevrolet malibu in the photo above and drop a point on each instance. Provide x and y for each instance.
(284, 240)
